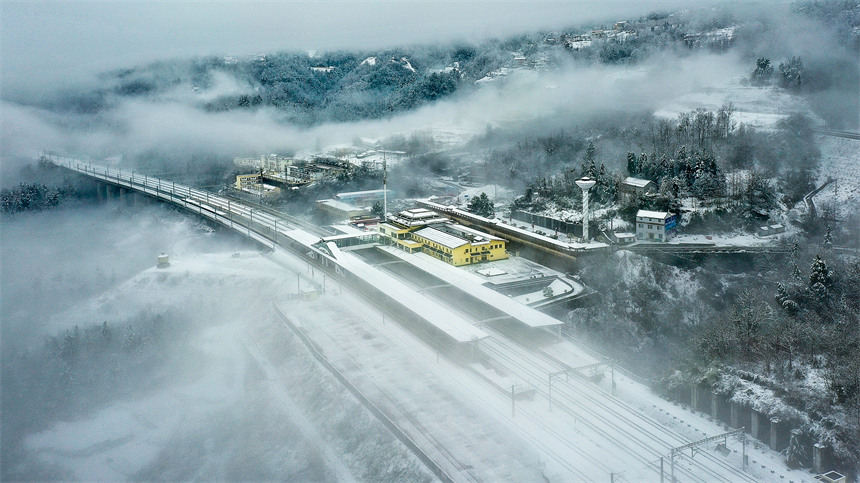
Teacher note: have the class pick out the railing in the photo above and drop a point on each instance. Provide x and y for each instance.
(264, 227)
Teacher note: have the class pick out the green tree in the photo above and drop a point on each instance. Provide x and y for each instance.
(795, 453)
(792, 74)
(482, 206)
(762, 73)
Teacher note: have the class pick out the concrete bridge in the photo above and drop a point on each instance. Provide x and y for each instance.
(263, 226)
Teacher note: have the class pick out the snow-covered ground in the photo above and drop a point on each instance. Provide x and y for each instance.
(238, 399)
(245, 401)
(759, 107)
(588, 435)
(738, 239)
(840, 159)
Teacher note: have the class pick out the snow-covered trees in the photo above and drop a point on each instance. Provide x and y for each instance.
(796, 453)
(482, 205)
(757, 198)
(791, 74)
(820, 278)
(762, 73)
(31, 196)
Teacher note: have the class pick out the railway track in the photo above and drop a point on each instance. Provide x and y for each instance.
(644, 431)
(645, 439)
(839, 134)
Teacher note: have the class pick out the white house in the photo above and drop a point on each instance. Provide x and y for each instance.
(655, 225)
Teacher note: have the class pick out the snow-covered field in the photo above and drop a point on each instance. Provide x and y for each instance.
(758, 107)
(242, 399)
(840, 159)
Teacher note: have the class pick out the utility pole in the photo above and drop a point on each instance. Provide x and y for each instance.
(384, 188)
(672, 466)
(550, 392)
(612, 371)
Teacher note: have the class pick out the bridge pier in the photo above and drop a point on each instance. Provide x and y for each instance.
(101, 192)
(694, 396)
(734, 414)
(817, 457)
(715, 406)
(754, 426)
(774, 435)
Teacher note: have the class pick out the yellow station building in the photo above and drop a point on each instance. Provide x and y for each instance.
(423, 230)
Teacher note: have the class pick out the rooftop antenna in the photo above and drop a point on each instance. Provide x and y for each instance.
(585, 184)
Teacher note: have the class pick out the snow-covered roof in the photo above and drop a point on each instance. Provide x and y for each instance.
(478, 234)
(443, 318)
(440, 237)
(637, 182)
(301, 236)
(417, 213)
(471, 284)
(660, 215)
(340, 205)
(349, 194)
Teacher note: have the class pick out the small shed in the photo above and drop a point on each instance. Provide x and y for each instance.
(631, 188)
(623, 238)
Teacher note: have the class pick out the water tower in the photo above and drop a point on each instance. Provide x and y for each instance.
(585, 184)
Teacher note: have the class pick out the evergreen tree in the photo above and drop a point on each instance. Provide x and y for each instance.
(781, 293)
(820, 273)
(820, 278)
(795, 453)
(762, 73)
(632, 165)
(482, 206)
(589, 153)
(792, 74)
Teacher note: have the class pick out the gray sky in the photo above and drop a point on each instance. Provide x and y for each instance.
(46, 45)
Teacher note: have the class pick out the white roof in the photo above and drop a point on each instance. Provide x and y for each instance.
(440, 237)
(637, 182)
(358, 193)
(340, 205)
(662, 215)
(474, 285)
(417, 213)
(301, 236)
(441, 317)
(474, 232)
